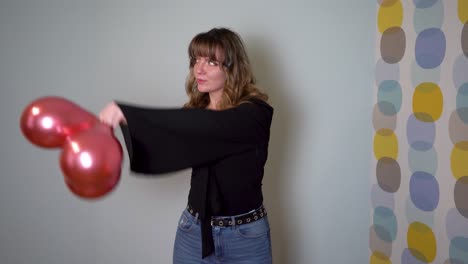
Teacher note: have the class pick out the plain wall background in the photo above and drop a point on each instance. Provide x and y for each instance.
(314, 58)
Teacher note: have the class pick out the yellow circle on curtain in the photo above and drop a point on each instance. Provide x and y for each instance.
(379, 258)
(463, 11)
(421, 242)
(427, 102)
(390, 15)
(385, 144)
(459, 160)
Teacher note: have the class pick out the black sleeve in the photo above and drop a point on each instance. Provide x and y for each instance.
(164, 140)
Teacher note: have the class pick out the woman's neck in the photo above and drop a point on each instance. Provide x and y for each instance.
(215, 98)
(212, 106)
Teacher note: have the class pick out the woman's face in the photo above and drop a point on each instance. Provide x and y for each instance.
(209, 75)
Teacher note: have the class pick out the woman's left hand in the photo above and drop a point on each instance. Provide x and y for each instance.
(112, 115)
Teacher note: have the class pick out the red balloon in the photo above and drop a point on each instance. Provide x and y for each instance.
(91, 161)
(90, 191)
(48, 121)
(91, 156)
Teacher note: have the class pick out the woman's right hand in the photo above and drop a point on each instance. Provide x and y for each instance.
(112, 115)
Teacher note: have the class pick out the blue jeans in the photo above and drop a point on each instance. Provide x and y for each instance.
(238, 244)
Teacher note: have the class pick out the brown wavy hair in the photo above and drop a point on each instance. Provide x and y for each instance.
(226, 47)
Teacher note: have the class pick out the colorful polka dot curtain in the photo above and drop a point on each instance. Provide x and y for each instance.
(419, 183)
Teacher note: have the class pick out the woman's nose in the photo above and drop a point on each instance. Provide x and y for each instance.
(200, 67)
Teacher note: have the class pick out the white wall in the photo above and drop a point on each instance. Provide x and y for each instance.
(314, 58)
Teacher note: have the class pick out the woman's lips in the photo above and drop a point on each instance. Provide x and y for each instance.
(201, 81)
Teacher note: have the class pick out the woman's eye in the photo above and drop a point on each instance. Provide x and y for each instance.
(213, 63)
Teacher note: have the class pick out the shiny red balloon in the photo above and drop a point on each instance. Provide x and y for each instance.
(91, 157)
(91, 161)
(89, 191)
(48, 121)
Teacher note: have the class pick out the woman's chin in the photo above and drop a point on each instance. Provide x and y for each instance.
(203, 90)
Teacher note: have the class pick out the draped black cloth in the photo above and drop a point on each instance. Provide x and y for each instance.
(226, 150)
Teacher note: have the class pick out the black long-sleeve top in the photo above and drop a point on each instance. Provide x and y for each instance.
(226, 150)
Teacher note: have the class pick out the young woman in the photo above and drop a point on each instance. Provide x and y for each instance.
(222, 133)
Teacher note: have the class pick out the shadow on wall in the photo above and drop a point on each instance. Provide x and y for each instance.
(269, 79)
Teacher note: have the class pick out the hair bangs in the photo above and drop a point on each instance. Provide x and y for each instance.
(204, 45)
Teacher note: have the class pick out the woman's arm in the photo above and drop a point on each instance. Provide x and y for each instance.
(163, 140)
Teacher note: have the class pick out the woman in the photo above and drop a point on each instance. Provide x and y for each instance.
(222, 133)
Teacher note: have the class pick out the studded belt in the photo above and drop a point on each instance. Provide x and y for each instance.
(237, 220)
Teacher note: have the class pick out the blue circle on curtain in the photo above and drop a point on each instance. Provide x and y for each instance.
(414, 214)
(425, 160)
(462, 102)
(420, 75)
(421, 135)
(385, 224)
(382, 198)
(455, 224)
(432, 17)
(430, 48)
(424, 3)
(424, 191)
(458, 249)
(460, 68)
(389, 97)
(408, 258)
(464, 39)
(386, 71)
